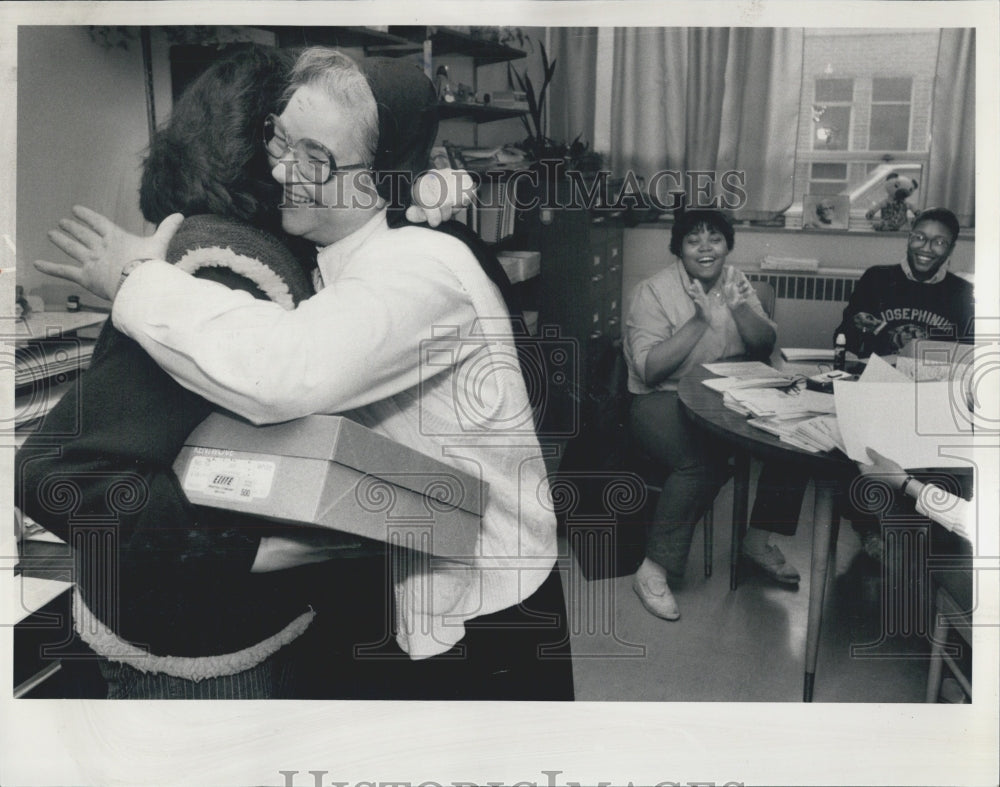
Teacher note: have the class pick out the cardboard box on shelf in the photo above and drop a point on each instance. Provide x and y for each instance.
(329, 471)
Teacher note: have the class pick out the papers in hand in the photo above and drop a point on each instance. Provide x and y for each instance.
(918, 423)
(745, 374)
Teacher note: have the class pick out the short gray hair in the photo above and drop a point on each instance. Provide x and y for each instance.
(342, 81)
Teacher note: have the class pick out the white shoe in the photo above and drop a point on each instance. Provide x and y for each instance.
(772, 562)
(650, 585)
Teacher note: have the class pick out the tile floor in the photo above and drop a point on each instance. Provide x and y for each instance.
(747, 645)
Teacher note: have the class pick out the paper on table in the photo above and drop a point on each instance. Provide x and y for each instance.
(913, 425)
(769, 402)
(742, 369)
(878, 371)
(723, 384)
(806, 354)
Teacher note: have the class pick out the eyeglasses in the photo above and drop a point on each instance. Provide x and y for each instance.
(313, 159)
(939, 243)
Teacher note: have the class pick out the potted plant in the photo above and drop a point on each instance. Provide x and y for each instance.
(537, 144)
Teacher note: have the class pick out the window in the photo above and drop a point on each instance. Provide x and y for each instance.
(831, 113)
(890, 121)
(865, 112)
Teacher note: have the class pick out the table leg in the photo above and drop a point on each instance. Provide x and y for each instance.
(741, 495)
(822, 532)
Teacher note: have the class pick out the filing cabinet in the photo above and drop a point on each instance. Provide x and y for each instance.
(581, 291)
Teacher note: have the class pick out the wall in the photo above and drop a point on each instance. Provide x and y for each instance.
(81, 130)
(802, 321)
(489, 78)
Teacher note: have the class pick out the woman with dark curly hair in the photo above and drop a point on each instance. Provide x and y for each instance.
(696, 310)
(170, 603)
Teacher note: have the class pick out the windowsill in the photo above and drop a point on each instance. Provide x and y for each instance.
(967, 233)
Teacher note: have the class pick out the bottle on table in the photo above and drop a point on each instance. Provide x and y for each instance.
(840, 352)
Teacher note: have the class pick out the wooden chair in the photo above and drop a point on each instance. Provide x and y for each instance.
(765, 293)
(947, 615)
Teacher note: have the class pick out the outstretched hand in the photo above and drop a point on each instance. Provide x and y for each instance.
(882, 467)
(439, 194)
(103, 250)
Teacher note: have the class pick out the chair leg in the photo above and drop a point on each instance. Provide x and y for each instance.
(938, 638)
(708, 521)
(741, 495)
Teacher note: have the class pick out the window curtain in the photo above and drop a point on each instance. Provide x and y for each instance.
(571, 94)
(711, 100)
(951, 178)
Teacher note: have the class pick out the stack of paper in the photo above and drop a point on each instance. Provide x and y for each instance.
(37, 400)
(745, 374)
(36, 361)
(781, 405)
(49, 325)
(810, 433)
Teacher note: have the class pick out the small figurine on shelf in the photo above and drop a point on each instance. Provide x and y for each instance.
(464, 94)
(894, 211)
(444, 91)
(21, 306)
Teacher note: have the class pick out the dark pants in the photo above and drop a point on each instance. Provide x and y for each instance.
(350, 652)
(695, 470)
(780, 490)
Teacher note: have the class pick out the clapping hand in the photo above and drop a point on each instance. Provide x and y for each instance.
(103, 250)
(735, 290)
(700, 298)
(440, 194)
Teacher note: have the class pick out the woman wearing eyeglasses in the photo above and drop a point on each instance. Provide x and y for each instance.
(916, 299)
(406, 336)
(170, 604)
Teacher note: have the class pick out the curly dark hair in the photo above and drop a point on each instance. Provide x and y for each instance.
(209, 156)
(688, 221)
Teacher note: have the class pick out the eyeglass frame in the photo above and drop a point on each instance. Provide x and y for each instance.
(302, 156)
(917, 240)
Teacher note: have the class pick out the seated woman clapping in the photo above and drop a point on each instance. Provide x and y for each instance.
(696, 310)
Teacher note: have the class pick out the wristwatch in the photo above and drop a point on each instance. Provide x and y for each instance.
(129, 266)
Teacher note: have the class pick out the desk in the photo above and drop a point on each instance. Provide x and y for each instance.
(705, 408)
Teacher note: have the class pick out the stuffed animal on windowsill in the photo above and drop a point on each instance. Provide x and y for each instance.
(894, 211)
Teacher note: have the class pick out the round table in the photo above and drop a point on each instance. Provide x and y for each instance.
(705, 408)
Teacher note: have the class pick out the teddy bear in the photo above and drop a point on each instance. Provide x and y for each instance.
(894, 210)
